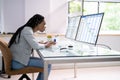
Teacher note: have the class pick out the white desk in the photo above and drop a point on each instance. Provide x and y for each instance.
(79, 54)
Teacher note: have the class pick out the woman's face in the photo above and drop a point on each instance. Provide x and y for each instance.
(41, 27)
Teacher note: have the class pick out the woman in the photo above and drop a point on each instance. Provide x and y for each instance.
(23, 42)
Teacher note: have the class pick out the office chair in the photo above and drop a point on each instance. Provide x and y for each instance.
(7, 58)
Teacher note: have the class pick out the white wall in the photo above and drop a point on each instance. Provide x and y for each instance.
(1, 17)
(37, 7)
(112, 41)
(17, 12)
(58, 16)
(55, 12)
(13, 14)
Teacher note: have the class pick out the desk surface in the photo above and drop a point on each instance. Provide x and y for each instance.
(61, 49)
(79, 53)
(50, 53)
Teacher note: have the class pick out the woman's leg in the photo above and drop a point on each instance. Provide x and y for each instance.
(17, 65)
(37, 62)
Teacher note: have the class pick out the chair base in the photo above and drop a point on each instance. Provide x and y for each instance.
(24, 76)
(5, 76)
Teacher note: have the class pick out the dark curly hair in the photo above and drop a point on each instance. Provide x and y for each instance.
(32, 22)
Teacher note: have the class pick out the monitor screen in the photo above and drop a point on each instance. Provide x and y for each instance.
(72, 27)
(89, 28)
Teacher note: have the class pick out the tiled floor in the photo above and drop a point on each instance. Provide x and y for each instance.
(99, 73)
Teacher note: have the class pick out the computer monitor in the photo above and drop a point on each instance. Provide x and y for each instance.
(73, 23)
(89, 28)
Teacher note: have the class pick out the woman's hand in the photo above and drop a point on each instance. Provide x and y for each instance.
(43, 42)
(50, 43)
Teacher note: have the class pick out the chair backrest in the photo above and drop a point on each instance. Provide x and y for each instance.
(7, 56)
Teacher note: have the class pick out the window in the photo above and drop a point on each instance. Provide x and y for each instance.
(111, 21)
(74, 7)
(90, 8)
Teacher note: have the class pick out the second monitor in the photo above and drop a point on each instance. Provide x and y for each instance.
(89, 28)
(73, 23)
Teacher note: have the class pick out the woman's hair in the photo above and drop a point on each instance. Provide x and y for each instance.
(32, 22)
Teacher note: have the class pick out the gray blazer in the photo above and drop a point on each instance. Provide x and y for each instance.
(22, 51)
